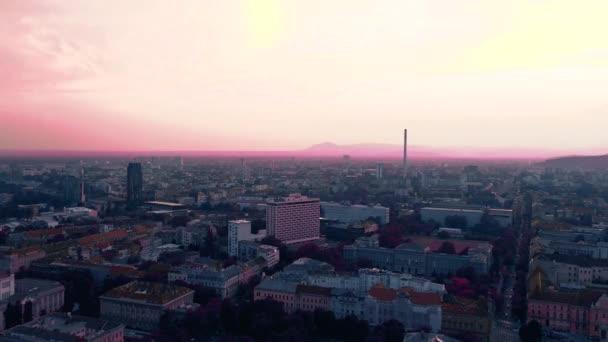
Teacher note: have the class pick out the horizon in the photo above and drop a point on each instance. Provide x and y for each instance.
(264, 75)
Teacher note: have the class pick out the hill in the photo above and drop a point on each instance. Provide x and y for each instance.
(575, 162)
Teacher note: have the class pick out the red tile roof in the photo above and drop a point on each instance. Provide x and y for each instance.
(379, 292)
(424, 298)
(44, 232)
(313, 290)
(117, 234)
(435, 244)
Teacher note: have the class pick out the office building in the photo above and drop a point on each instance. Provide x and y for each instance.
(294, 219)
(135, 184)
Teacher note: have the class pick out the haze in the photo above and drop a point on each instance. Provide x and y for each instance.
(280, 75)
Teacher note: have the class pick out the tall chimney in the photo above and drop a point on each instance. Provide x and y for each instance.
(404, 153)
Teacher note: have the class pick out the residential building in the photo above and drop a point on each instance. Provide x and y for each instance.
(45, 296)
(371, 294)
(211, 274)
(7, 285)
(572, 271)
(418, 258)
(350, 214)
(294, 219)
(572, 312)
(416, 311)
(240, 230)
(249, 250)
(462, 315)
(140, 304)
(19, 259)
(65, 327)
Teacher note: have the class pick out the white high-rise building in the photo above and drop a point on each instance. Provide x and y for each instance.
(239, 230)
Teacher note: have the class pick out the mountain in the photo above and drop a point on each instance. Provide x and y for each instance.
(328, 149)
(574, 162)
(393, 151)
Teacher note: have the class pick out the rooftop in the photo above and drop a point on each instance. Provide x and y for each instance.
(583, 297)
(167, 204)
(60, 327)
(154, 293)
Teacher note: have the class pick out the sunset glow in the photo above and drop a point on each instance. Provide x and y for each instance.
(281, 75)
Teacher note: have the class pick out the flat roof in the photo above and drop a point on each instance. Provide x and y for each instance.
(168, 204)
(153, 293)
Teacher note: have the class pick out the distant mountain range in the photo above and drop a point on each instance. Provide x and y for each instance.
(367, 151)
(573, 162)
(391, 151)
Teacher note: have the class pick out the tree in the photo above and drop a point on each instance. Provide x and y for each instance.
(12, 315)
(532, 332)
(208, 247)
(443, 235)
(28, 313)
(447, 248)
(308, 250)
(390, 331)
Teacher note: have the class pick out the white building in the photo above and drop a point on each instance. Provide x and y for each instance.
(240, 230)
(210, 273)
(350, 214)
(249, 250)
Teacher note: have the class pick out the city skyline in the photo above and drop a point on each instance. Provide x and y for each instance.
(270, 76)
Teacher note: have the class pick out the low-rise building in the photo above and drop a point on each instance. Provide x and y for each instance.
(45, 297)
(572, 312)
(371, 294)
(461, 315)
(64, 327)
(350, 214)
(20, 259)
(418, 257)
(211, 274)
(249, 250)
(140, 304)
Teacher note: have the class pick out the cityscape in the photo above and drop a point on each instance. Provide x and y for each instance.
(266, 170)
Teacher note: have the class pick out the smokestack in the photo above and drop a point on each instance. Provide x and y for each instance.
(404, 153)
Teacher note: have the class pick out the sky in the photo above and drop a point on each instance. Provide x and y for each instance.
(286, 74)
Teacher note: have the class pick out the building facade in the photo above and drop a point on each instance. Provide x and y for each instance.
(20, 259)
(294, 219)
(350, 214)
(140, 304)
(416, 259)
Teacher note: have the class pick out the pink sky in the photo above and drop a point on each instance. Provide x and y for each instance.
(279, 75)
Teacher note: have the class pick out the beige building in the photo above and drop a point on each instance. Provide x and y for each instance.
(140, 304)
